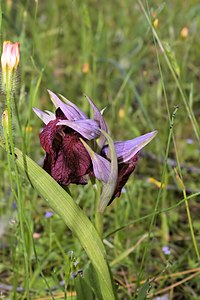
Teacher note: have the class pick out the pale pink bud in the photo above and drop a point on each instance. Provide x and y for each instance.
(10, 56)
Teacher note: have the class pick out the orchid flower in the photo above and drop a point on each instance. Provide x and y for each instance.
(69, 157)
(67, 160)
(127, 157)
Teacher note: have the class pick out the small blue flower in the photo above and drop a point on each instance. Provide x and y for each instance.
(14, 205)
(166, 250)
(48, 214)
(190, 141)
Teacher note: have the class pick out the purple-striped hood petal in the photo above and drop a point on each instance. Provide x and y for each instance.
(126, 150)
(88, 128)
(71, 112)
(101, 166)
(46, 117)
(80, 112)
(98, 117)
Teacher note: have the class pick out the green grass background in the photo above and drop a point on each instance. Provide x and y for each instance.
(140, 75)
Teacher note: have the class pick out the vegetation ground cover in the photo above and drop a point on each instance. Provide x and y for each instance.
(139, 60)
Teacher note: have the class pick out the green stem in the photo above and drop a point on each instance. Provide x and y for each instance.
(98, 219)
(152, 223)
(18, 195)
(190, 224)
(99, 223)
(9, 162)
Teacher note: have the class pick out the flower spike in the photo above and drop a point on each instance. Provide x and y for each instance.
(69, 159)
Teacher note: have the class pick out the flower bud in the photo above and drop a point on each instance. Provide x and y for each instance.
(184, 32)
(85, 68)
(10, 56)
(9, 63)
(155, 23)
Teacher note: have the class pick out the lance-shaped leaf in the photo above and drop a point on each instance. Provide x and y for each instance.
(87, 128)
(125, 150)
(74, 218)
(98, 117)
(101, 166)
(46, 117)
(70, 112)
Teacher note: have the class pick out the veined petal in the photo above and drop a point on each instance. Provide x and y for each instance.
(50, 113)
(81, 113)
(46, 117)
(70, 112)
(87, 128)
(101, 166)
(98, 117)
(124, 172)
(126, 150)
(72, 162)
(49, 134)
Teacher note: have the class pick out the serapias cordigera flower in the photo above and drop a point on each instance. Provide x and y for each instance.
(127, 153)
(127, 157)
(67, 160)
(76, 147)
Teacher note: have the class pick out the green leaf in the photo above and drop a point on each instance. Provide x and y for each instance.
(109, 187)
(90, 276)
(63, 204)
(143, 292)
(83, 290)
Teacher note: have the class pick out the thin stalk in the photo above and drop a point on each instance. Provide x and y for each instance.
(18, 195)
(158, 212)
(174, 75)
(98, 219)
(182, 186)
(190, 224)
(158, 197)
(99, 223)
(9, 162)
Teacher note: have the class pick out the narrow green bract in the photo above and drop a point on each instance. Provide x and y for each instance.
(74, 218)
(109, 187)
